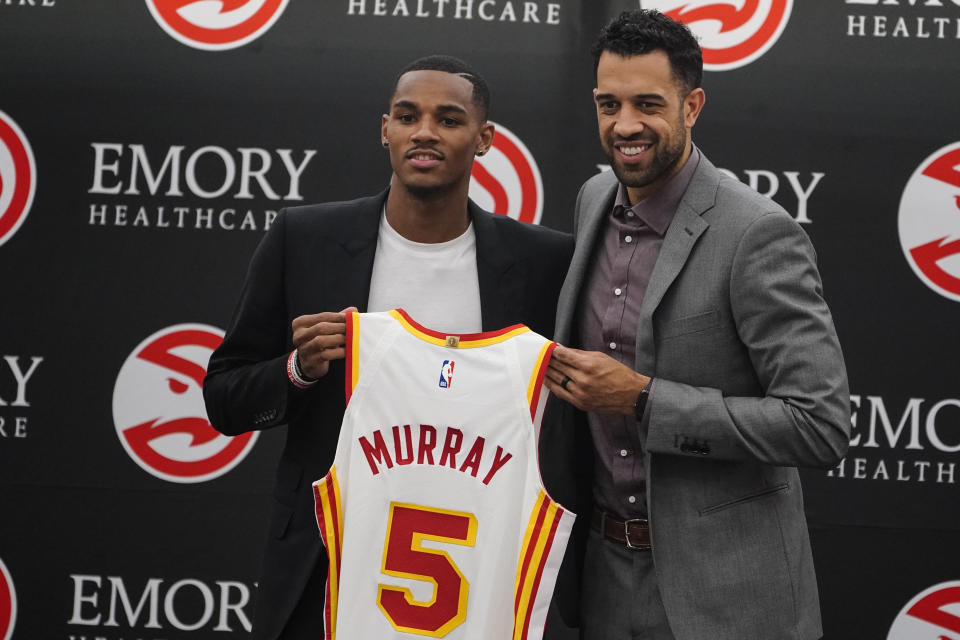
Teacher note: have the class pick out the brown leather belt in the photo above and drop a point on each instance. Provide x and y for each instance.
(635, 534)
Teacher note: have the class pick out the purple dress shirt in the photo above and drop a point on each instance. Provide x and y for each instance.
(623, 261)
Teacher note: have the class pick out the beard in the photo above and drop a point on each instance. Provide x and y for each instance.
(666, 155)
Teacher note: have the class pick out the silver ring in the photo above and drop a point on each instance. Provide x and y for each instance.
(563, 383)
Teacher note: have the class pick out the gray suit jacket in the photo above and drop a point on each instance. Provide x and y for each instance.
(750, 384)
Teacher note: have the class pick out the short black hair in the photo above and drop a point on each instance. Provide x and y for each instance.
(481, 92)
(634, 33)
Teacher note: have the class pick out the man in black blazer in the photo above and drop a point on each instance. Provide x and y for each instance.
(281, 361)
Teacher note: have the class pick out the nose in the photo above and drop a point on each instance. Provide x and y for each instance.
(425, 132)
(630, 122)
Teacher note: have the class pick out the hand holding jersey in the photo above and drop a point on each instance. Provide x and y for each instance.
(318, 339)
(593, 381)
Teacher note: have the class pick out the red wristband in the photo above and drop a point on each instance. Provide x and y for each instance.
(294, 375)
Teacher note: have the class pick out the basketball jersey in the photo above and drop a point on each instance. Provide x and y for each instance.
(434, 516)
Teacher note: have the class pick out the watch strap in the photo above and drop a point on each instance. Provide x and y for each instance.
(641, 403)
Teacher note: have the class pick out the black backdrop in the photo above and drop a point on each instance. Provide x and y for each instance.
(140, 165)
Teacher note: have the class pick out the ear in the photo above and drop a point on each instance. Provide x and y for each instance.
(485, 137)
(693, 105)
(384, 119)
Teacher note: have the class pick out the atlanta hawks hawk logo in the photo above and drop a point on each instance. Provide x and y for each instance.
(933, 614)
(732, 33)
(18, 178)
(159, 413)
(929, 221)
(215, 25)
(507, 180)
(8, 603)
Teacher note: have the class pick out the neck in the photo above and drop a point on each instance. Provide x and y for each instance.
(428, 218)
(636, 194)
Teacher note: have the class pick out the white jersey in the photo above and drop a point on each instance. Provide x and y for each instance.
(434, 517)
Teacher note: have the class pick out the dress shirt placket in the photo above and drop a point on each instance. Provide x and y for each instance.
(609, 315)
(635, 250)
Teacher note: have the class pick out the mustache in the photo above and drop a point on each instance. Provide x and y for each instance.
(638, 137)
(424, 149)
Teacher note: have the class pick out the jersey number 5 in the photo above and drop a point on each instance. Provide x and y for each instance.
(405, 557)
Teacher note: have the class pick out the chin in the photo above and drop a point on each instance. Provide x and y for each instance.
(633, 179)
(425, 191)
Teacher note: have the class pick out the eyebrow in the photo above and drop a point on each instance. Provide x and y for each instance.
(443, 108)
(452, 107)
(640, 96)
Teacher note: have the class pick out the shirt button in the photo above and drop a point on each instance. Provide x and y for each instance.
(613, 345)
(617, 291)
(632, 499)
(628, 239)
(629, 213)
(623, 453)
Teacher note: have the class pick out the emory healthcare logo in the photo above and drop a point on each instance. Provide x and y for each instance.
(8, 603)
(102, 603)
(506, 180)
(732, 33)
(158, 408)
(931, 615)
(215, 25)
(930, 221)
(18, 179)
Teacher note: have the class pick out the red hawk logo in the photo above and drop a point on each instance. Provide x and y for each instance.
(18, 178)
(215, 25)
(933, 614)
(8, 603)
(159, 413)
(507, 180)
(929, 221)
(732, 33)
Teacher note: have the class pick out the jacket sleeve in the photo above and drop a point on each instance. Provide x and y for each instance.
(802, 416)
(246, 387)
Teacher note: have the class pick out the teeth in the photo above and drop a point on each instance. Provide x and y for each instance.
(632, 151)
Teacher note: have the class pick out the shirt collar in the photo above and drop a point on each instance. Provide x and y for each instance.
(657, 210)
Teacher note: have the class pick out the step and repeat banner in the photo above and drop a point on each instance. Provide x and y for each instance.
(146, 145)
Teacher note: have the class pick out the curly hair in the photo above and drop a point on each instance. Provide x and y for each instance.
(635, 33)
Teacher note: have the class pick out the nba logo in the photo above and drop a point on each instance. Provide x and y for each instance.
(446, 374)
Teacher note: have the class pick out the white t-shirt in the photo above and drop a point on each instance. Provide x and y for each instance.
(435, 283)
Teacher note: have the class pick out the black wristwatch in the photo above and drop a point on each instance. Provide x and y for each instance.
(641, 402)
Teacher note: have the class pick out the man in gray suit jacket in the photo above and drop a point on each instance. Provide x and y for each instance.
(710, 370)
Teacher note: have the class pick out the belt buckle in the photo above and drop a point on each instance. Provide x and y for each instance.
(626, 534)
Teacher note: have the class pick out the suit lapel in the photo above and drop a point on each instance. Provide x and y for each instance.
(495, 262)
(349, 257)
(591, 222)
(685, 229)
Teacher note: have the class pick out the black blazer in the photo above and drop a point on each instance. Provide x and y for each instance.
(319, 258)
